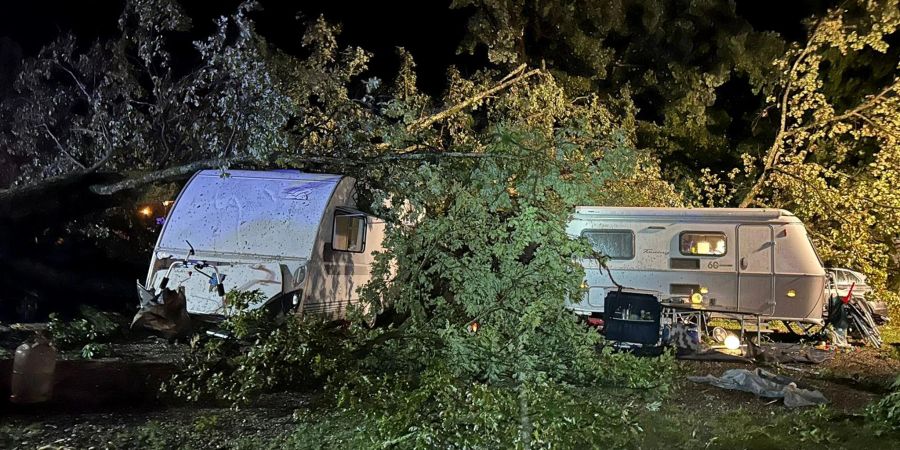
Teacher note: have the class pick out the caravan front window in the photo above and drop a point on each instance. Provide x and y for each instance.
(349, 234)
(615, 244)
(703, 243)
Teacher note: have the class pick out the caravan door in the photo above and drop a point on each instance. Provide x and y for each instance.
(756, 268)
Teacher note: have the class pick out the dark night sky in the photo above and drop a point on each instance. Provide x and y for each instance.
(428, 29)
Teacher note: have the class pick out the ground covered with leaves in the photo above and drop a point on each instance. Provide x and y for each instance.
(687, 416)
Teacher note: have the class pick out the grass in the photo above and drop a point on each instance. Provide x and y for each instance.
(776, 428)
(890, 334)
(669, 426)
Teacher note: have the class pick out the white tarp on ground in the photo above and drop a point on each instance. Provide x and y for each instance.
(764, 384)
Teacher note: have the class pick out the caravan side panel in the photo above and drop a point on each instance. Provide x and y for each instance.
(768, 259)
(336, 276)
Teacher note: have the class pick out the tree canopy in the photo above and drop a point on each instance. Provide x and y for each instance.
(738, 116)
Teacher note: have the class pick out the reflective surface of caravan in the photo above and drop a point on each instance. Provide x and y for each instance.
(757, 261)
(296, 237)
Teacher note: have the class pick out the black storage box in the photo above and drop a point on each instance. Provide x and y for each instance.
(631, 317)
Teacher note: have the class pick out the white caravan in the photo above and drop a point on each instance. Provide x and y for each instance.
(295, 237)
(756, 261)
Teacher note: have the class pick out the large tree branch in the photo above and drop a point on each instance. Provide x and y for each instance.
(166, 174)
(12, 194)
(62, 149)
(78, 82)
(512, 78)
(857, 112)
(176, 172)
(778, 143)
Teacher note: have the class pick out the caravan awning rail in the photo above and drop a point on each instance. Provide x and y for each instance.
(768, 213)
(220, 257)
(705, 214)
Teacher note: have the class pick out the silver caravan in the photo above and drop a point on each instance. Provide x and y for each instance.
(757, 261)
(295, 237)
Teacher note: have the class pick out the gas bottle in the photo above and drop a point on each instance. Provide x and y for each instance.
(33, 369)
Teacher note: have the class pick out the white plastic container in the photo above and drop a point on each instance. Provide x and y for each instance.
(33, 369)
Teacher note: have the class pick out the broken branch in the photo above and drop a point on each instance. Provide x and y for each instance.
(172, 173)
(166, 174)
(62, 149)
(512, 78)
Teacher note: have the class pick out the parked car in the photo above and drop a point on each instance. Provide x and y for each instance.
(843, 279)
(840, 282)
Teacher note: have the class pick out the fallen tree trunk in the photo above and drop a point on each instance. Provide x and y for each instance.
(55, 198)
(169, 174)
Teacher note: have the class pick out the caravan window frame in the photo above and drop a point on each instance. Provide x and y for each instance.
(706, 255)
(616, 230)
(363, 230)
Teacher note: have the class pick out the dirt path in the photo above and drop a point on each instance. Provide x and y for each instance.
(148, 426)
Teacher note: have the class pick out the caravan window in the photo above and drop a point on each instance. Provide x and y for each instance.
(615, 244)
(349, 233)
(703, 243)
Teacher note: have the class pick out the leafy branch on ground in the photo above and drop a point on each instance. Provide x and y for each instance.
(90, 331)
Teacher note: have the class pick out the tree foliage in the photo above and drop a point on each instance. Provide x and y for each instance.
(476, 256)
(834, 161)
(674, 57)
(739, 117)
(129, 104)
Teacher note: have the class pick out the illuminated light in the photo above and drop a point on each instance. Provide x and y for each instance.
(791, 293)
(703, 248)
(696, 298)
(146, 211)
(732, 342)
(168, 203)
(473, 327)
(704, 290)
(584, 284)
